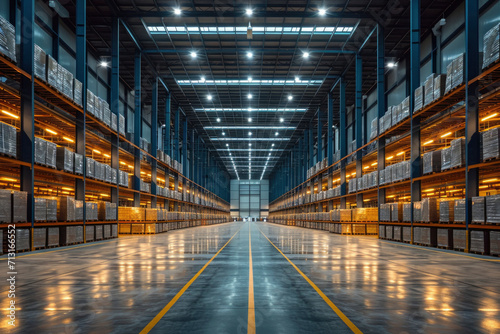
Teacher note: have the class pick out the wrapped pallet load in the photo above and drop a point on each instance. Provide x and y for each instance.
(429, 89)
(396, 212)
(385, 212)
(432, 162)
(19, 206)
(40, 63)
(419, 98)
(66, 209)
(78, 164)
(493, 209)
(9, 137)
(40, 209)
(491, 144)
(65, 159)
(446, 211)
(439, 86)
(459, 211)
(491, 47)
(77, 92)
(478, 209)
(445, 158)
(457, 152)
(430, 210)
(5, 206)
(7, 39)
(458, 70)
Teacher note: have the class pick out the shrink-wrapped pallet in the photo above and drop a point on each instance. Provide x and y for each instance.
(78, 210)
(360, 183)
(478, 209)
(114, 122)
(449, 77)
(61, 72)
(66, 209)
(457, 152)
(22, 239)
(107, 173)
(374, 128)
(121, 124)
(40, 150)
(405, 108)
(78, 164)
(406, 166)
(388, 119)
(491, 48)
(493, 209)
(389, 174)
(491, 144)
(107, 211)
(459, 239)
(40, 63)
(67, 84)
(51, 209)
(40, 209)
(9, 136)
(430, 210)
(406, 212)
(459, 211)
(90, 167)
(439, 86)
(50, 156)
(477, 241)
(7, 39)
(52, 236)
(381, 177)
(385, 212)
(458, 70)
(417, 211)
(446, 158)
(432, 162)
(114, 176)
(365, 215)
(495, 242)
(77, 92)
(65, 159)
(106, 115)
(394, 115)
(352, 184)
(52, 68)
(429, 89)
(5, 206)
(90, 102)
(19, 206)
(345, 215)
(98, 107)
(446, 212)
(419, 99)
(396, 212)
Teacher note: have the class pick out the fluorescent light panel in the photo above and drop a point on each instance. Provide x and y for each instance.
(253, 82)
(250, 110)
(249, 150)
(249, 127)
(242, 30)
(249, 139)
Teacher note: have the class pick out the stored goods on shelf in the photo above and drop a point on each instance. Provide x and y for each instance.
(91, 211)
(7, 39)
(491, 48)
(429, 89)
(449, 77)
(78, 210)
(459, 211)
(345, 215)
(51, 209)
(66, 209)
(65, 159)
(77, 92)
(131, 214)
(40, 63)
(445, 158)
(419, 98)
(78, 164)
(446, 211)
(114, 122)
(439, 86)
(365, 214)
(385, 212)
(374, 129)
(457, 152)
(478, 209)
(90, 167)
(491, 144)
(417, 211)
(5, 206)
(151, 214)
(19, 206)
(50, 155)
(40, 209)
(477, 242)
(406, 212)
(458, 70)
(493, 209)
(432, 162)
(22, 239)
(107, 211)
(8, 139)
(430, 210)
(396, 212)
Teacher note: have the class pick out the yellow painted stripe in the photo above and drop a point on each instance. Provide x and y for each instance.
(160, 315)
(62, 249)
(335, 309)
(251, 304)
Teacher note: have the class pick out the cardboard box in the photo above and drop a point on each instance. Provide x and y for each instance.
(457, 152)
(396, 212)
(65, 159)
(7, 39)
(439, 86)
(66, 209)
(78, 210)
(446, 158)
(40, 59)
(9, 139)
(78, 164)
(459, 211)
(446, 211)
(385, 212)
(419, 99)
(19, 206)
(491, 48)
(432, 162)
(40, 150)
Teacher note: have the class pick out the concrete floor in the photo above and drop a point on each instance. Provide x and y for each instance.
(119, 286)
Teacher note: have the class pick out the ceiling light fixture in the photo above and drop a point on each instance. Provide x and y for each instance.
(249, 119)
(209, 97)
(249, 54)
(322, 11)
(193, 54)
(282, 120)
(290, 97)
(177, 11)
(489, 117)
(223, 133)
(276, 134)
(103, 63)
(218, 120)
(249, 96)
(391, 64)
(249, 11)
(306, 54)
(202, 79)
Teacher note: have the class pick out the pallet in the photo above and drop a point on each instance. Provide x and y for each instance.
(47, 166)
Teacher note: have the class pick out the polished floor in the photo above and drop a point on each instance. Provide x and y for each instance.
(162, 284)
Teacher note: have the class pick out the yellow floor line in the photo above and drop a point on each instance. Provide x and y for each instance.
(335, 309)
(251, 304)
(160, 315)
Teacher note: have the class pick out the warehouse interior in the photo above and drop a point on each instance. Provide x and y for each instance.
(271, 166)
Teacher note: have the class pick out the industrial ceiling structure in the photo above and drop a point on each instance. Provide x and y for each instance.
(250, 76)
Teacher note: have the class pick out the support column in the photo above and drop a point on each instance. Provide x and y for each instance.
(472, 134)
(154, 141)
(115, 101)
(176, 136)
(137, 128)
(416, 164)
(81, 75)
(381, 106)
(330, 130)
(359, 124)
(166, 138)
(311, 145)
(320, 128)
(27, 135)
(185, 140)
(343, 143)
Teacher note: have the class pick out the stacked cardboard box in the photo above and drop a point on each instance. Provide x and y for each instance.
(430, 210)
(114, 122)
(107, 211)
(40, 150)
(8, 139)
(491, 49)
(417, 211)
(7, 39)
(91, 211)
(446, 211)
(429, 89)
(405, 108)
(449, 77)
(446, 158)
(52, 72)
(121, 124)
(459, 211)
(364, 215)
(66, 209)
(78, 164)
(432, 162)
(458, 70)
(374, 129)
(439, 86)
(51, 155)
(51, 209)
(66, 82)
(19, 206)
(345, 215)
(419, 98)
(478, 209)
(131, 214)
(491, 144)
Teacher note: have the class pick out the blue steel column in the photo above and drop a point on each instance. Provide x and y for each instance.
(192, 158)
(416, 165)
(81, 75)
(28, 107)
(115, 98)
(176, 138)
(166, 138)
(154, 141)
(343, 143)
(137, 129)
(329, 144)
(359, 124)
(381, 106)
(311, 145)
(185, 140)
(472, 135)
(320, 128)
